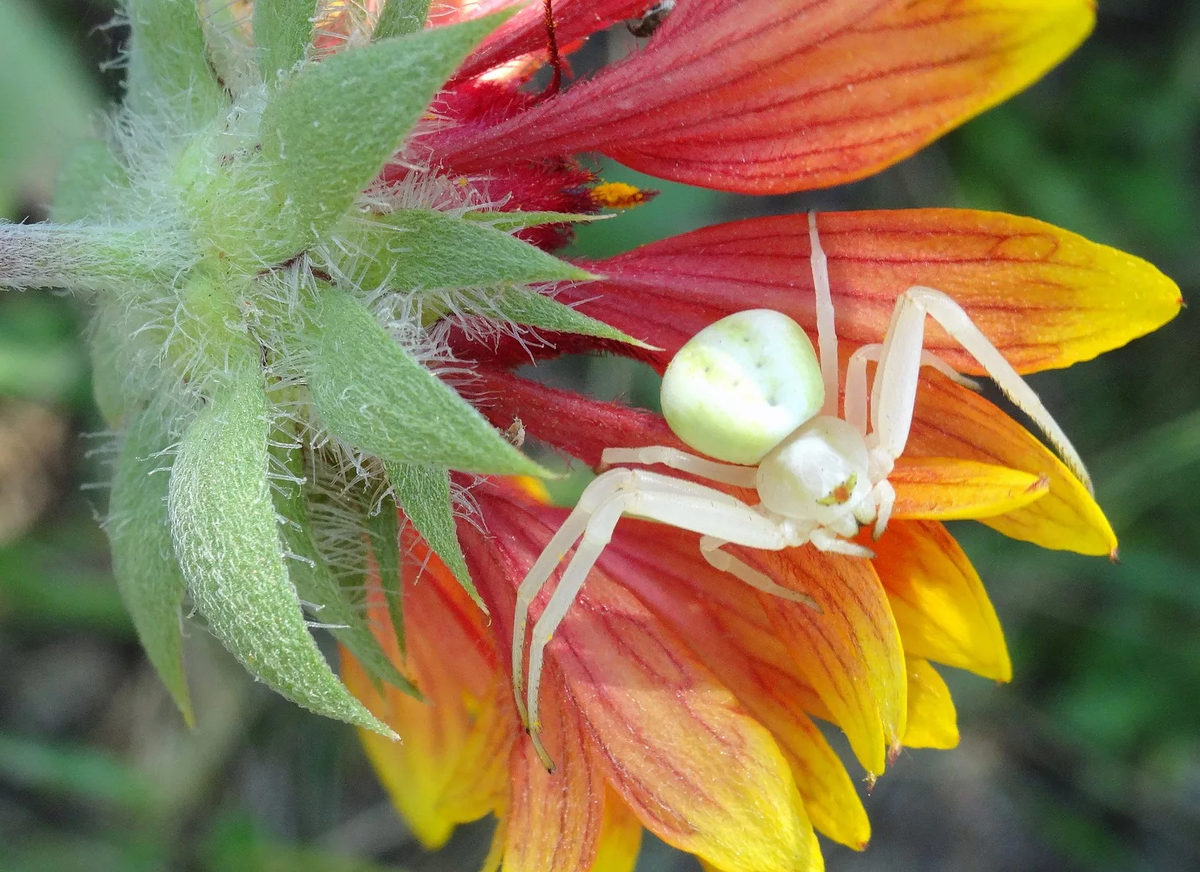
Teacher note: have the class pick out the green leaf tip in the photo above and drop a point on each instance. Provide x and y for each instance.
(327, 131)
(510, 221)
(384, 532)
(283, 31)
(316, 584)
(400, 17)
(226, 540)
(424, 494)
(421, 249)
(374, 395)
(148, 575)
(538, 310)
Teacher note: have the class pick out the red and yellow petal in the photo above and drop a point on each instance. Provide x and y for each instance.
(670, 738)
(725, 625)
(1045, 297)
(554, 820)
(932, 720)
(941, 608)
(850, 652)
(952, 421)
(770, 96)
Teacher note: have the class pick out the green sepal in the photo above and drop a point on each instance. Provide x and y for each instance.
(523, 306)
(327, 131)
(510, 221)
(225, 534)
(167, 59)
(316, 584)
(283, 31)
(422, 249)
(424, 494)
(90, 184)
(375, 396)
(148, 575)
(385, 546)
(400, 17)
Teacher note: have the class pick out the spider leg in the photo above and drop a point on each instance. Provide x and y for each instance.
(596, 494)
(855, 400)
(827, 541)
(726, 473)
(894, 393)
(683, 504)
(827, 343)
(710, 550)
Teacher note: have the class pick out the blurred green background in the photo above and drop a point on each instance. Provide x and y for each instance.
(1090, 760)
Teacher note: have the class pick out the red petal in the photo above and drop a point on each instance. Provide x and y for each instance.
(769, 96)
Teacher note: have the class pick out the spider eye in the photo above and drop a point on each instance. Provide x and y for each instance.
(741, 385)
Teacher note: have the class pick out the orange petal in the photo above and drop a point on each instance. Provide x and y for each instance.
(478, 784)
(419, 770)
(620, 837)
(952, 421)
(932, 721)
(953, 490)
(724, 623)
(941, 608)
(670, 738)
(850, 652)
(1044, 296)
(770, 96)
(554, 820)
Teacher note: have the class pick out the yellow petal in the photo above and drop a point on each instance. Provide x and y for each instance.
(620, 837)
(951, 489)
(941, 608)
(953, 421)
(932, 721)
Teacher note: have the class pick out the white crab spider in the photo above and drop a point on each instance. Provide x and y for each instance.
(749, 390)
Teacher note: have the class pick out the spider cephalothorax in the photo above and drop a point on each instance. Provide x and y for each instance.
(750, 391)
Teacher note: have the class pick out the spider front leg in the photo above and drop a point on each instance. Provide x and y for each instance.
(894, 390)
(683, 504)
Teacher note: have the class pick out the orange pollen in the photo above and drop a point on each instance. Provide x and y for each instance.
(618, 195)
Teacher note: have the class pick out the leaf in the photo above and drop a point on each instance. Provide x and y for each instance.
(423, 249)
(524, 306)
(374, 395)
(400, 17)
(224, 529)
(327, 132)
(424, 494)
(167, 59)
(509, 221)
(316, 584)
(385, 545)
(283, 30)
(139, 532)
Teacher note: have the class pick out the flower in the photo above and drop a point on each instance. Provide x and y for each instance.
(677, 699)
(317, 245)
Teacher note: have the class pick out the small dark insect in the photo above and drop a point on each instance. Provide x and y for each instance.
(651, 19)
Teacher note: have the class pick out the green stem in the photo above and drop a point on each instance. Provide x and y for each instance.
(86, 258)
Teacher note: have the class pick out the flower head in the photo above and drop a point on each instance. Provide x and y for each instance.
(317, 238)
